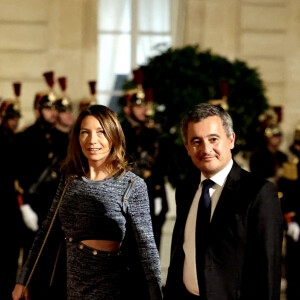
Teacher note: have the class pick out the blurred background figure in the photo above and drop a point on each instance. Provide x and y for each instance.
(290, 186)
(270, 162)
(44, 146)
(62, 127)
(267, 160)
(11, 223)
(37, 164)
(144, 150)
(91, 100)
(36, 102)
(10, 115)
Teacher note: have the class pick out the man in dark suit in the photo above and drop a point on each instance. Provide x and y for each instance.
(238, 255)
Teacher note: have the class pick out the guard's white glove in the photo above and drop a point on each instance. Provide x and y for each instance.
(157, 205)
(30, 218)
(293, 231)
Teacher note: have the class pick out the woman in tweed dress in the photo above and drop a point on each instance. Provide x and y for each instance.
(92, 216)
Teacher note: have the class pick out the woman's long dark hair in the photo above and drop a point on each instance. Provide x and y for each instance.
(76, 164)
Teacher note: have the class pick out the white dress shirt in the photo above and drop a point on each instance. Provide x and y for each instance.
(189, 245)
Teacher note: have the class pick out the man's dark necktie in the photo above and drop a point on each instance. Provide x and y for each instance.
(202, 228)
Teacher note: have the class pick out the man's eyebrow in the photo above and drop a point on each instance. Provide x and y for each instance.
(208, 136)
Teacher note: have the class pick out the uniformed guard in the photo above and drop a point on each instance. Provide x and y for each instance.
(143, 148)
(267, 161)
(290, 185)
(36, 183)
(11, 223)
(63, 124)
(10, 114)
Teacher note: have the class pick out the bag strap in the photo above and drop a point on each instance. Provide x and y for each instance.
(127, 194)
(45, 239)
(55, 263)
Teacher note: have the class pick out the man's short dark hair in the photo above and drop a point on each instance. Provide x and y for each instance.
(202, 111)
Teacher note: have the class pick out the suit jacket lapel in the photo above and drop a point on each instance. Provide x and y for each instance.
(227, 197)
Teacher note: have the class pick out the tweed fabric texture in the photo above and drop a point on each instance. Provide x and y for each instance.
(93, 210)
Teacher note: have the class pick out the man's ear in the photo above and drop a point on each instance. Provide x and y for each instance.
(232, 140)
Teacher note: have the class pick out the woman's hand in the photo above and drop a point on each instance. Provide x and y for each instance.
(18, 292)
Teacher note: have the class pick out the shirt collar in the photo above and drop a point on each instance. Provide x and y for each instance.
(220, 177)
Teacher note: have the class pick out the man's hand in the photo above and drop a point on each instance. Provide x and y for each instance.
(30, 218)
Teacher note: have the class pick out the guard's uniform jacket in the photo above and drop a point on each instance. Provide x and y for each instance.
(11, 222)
(41, 155)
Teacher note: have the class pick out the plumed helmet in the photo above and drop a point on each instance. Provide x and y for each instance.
(63, 104)
(134, 97)
(297, 135)
(138, 97)
(272, 130)
(38, 97)
(10, 109)
(85, 103)
(46, 101)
